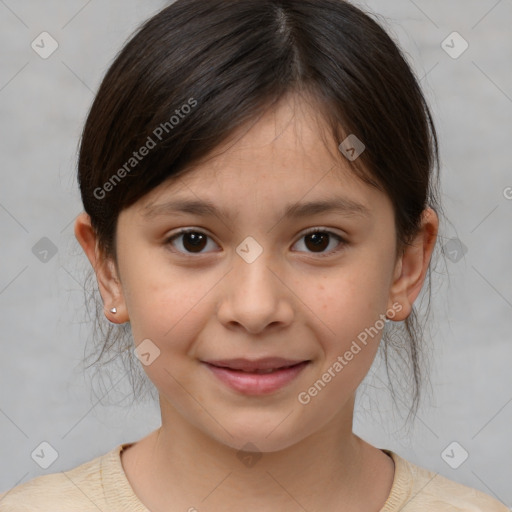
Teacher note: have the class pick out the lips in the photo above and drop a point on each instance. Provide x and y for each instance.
(256, 377)
(264, 365)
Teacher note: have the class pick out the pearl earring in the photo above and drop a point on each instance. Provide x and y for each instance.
(113, 310)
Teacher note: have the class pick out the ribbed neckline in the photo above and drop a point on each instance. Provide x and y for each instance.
(119, 492)
(400, 486)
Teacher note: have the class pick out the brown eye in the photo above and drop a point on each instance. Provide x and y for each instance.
(317, 241)
(192, 242)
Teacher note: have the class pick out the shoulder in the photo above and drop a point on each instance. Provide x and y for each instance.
(77, 489)
(416, 489)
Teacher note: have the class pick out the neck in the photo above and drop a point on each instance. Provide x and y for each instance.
(184, 466)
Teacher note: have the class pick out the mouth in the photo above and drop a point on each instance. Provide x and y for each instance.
(256, 377)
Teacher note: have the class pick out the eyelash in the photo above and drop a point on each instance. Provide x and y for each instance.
(342, 241)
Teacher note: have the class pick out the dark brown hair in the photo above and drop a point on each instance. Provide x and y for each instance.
(229, 61)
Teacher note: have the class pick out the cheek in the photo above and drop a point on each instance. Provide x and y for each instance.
(160, 299)
(169, 306)
(349, 303)
(170, 310)
(166, 313)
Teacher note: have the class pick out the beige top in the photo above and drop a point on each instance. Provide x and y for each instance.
(101, 485)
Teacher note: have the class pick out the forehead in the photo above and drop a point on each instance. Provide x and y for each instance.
(288, 147)
(284, 158)
(293, 131)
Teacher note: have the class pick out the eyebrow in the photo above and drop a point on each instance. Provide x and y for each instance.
(341, 205)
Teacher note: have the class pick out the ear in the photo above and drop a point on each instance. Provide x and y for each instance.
(412, 266)
(106, 274)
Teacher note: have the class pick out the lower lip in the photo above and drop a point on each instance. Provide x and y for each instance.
(257, 383)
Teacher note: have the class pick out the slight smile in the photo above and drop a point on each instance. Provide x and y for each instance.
(256, 377)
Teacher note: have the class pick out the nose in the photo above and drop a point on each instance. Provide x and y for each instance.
(254, 296)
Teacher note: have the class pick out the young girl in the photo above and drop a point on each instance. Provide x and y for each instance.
(261, 208)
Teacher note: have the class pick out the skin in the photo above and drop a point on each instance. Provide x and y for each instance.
(293, 301)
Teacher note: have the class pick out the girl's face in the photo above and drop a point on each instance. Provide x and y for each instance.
(250, 282)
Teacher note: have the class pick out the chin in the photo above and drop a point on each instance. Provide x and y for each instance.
(260, 435)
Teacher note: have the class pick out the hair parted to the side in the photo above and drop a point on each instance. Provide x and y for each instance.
(233, 60)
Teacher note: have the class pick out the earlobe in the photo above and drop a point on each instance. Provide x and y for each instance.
(412, 266)
(106, 275)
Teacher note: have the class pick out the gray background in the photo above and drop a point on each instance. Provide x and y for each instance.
(44, 393)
